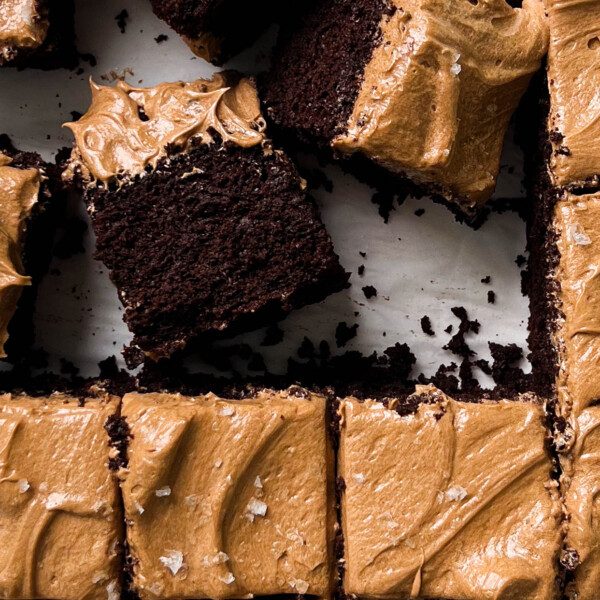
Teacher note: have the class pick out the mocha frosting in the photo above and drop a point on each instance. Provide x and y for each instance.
(128, 129)
(59, 509)
(228, 499)
(22, 27)
(583, 508)
(453, 501)
(574, 81)
(577, 338)
(19, 190)
(440, 88)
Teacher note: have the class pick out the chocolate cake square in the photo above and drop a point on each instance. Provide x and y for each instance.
(29, 204)
(448, 499)
(229, 499)
(573, 82)
(37, 34)
(423, 91)
(583, 509)
(205, 228)
(217, 29)
(60, 517)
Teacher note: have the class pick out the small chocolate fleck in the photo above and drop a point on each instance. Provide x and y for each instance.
(369, 291)
(121, 20)
(426, 326)
(491, 297)
(344, 333)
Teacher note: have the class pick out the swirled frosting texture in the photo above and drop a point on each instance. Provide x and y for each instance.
(127, 129)
(59, 511)
(228, 499)
(22, 27)
(574, 83)
(440, 89)
(583, 504)
(449, 502)
(19, 190)
(577, 338)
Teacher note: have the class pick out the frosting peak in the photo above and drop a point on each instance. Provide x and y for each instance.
(127, 129)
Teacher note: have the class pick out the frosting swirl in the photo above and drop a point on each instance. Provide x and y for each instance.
(128, 129)
(19, 191)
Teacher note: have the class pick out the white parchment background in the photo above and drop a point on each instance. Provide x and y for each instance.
(419, 265)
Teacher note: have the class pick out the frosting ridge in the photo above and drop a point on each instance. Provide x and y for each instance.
(128, 129)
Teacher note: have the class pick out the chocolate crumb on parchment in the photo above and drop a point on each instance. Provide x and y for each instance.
(426, 326)
(369, 291)
(344, 333)
(121, 20)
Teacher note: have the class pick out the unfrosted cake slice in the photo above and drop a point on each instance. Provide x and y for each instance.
(205, 228)
(424, 89)
(229, 499)
(37, 33)
(448, 499)
(60, 518)
(26, 232)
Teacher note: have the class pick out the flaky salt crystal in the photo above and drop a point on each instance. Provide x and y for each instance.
(23, 485)
(256, 507)
(300, 585)
(113, 591)
(456, 493)
(225, 410)
(55, 500)
(258, 482)
(218, 463)
(173, 561)
(163, 491)
(455, 69)
(579, 237)
(358, 477)
(228, 579)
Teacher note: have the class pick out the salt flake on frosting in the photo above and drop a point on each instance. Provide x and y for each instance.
(163, 492)
(113, 591)
(455, 493)
(55, 500)
(228, 579)
(23, 485)
(300, 585)
(225, 410)
(173, 561)
(580, 237)
(258, 483)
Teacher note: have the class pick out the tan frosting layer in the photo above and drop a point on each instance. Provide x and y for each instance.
(206, 46)
(59, 510)
(440, 89)
(453, 501)
(127, 129)
(228, 499)
(583, 505)
(577, 224)
(21, 27)
(19, 190)
(574, 83)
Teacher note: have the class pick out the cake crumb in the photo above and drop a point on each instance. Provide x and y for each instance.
(121, 20)
(426, 326)
(359, 477)
(487, 279)
(361, 270)
(419, 212)
(491, 297)
(344, 333)
(369, 291)
(159, 39)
